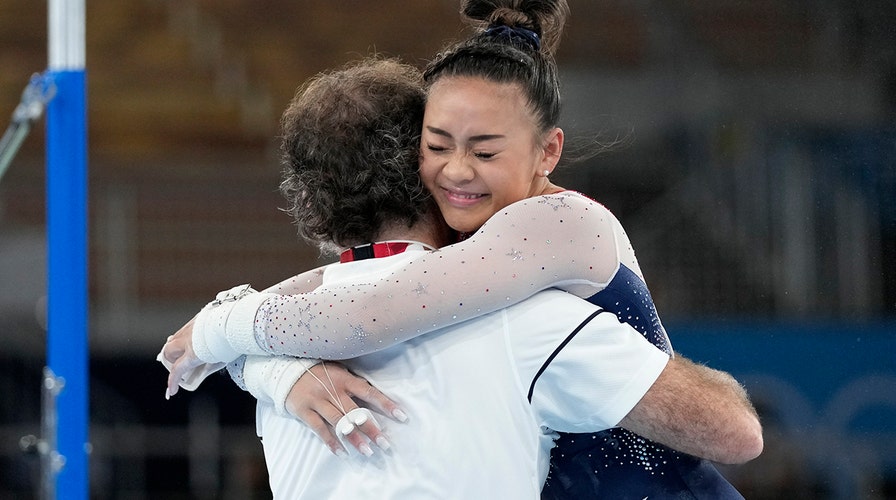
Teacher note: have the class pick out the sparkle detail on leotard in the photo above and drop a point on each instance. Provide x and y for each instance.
(555, 202)
(628, 298)
(359, 334)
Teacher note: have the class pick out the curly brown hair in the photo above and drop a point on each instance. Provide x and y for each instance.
(350, 152)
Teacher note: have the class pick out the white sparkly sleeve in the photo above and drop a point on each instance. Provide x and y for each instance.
(304, 282)
(563, 240)
(259, 382)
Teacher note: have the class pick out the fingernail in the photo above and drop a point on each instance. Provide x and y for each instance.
(167, 393)
(365, 449)
(399, 415)
(340, 453)
(382, 442)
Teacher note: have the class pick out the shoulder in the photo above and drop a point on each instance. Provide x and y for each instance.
(575, 212)
(558, 205)
(565, 223)
(561, 306)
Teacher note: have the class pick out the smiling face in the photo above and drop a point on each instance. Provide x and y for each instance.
(481, 150)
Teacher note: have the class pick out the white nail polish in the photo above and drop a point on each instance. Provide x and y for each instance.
(382, 442)
(365, 449)
(341, 453)
(399, 415)
(167, 393)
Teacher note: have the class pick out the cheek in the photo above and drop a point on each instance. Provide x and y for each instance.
(511, 184)
(428, 174)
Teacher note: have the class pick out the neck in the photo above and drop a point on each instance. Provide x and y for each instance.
(551, 188)
(429, 230)
(410, 234)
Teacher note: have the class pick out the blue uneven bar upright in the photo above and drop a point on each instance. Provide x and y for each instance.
(67, 343)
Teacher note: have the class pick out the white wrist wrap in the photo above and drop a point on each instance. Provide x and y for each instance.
(293, 370)
(271, 379)
(208, 335)
(240, 327)
(223, 330)
(257, 383)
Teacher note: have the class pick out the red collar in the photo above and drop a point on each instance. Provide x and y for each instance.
(373, 250)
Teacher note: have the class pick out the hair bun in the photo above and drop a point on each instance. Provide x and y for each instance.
(512, 18)
(546, 18)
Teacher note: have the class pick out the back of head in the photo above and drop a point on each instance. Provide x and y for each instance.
(515, 43)
(350, 150)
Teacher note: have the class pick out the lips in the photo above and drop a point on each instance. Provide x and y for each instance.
(462, 199)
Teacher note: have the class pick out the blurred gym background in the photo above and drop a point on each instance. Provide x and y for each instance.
(757, 183)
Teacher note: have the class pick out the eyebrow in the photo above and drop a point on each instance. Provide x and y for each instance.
(475, 138)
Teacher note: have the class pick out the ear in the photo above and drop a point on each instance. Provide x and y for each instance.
(552, 149)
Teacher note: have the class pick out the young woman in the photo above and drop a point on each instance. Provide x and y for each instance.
(490, 141)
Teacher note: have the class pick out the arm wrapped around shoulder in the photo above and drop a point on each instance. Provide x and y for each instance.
(700, 411)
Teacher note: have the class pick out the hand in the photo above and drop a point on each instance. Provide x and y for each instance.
(311, 400)
(178, 351)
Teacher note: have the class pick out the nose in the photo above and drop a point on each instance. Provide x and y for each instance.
(458, 170)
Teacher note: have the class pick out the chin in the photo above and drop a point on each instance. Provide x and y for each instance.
(466, 227)
(460, 224)
(465, 219)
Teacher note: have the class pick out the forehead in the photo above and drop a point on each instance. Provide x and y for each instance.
(472, 84)
(470, 98)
